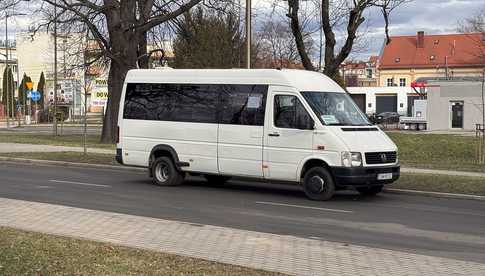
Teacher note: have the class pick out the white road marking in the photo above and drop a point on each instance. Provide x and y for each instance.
(303, 207)
(80, 183)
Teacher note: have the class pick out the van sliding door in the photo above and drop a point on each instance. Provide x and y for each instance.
(241, 129)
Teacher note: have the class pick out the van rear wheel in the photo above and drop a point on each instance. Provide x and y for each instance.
(164, 172)
(216, 179)
(370, 191)
(318, 184)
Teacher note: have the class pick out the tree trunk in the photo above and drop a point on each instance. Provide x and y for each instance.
(126, 59)
(124, 43)
(117, 74)
(294, 6)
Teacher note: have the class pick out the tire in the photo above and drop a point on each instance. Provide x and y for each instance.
(216, 179)
(164, 172)
(370, 191)
(318, 184)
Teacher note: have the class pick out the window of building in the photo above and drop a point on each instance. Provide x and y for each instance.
(390, 82)
(402, 82)
(289, 112)
(369, 73)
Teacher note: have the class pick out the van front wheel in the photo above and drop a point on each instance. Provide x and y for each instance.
(318, 184)
(164, 172)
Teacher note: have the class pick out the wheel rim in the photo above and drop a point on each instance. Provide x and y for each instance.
(162, 172)
(317, 184)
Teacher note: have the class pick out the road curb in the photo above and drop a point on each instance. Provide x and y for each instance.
(441, 172)
(68, 164)
(434, 194)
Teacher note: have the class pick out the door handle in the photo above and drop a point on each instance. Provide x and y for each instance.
(274, 134)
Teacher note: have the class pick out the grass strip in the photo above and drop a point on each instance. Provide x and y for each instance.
(437, 151)
(72, 140)
(441, 183)
(28, 253)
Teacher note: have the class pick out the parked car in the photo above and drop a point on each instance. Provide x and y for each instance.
(271, 125)
(387, 118)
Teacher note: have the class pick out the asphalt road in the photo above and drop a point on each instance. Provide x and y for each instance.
(431, 226)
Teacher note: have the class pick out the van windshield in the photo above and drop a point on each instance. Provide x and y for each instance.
(336, 109)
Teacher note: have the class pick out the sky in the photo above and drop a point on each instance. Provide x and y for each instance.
(430, 16)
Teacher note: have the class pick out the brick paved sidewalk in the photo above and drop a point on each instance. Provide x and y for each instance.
(285, 254)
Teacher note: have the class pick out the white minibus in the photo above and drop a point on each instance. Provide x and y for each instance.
(273, 125)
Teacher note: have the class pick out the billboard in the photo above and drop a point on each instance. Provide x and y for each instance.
(99, 93)
(66, 91)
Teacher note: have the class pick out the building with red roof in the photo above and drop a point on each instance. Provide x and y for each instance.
(407, 58)
(360, 73)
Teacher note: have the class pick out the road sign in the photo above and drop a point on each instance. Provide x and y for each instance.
(29, 94)
(35, 96)
(29, 85)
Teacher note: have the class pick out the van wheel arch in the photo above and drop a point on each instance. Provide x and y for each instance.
(167, 151)
(311, 163)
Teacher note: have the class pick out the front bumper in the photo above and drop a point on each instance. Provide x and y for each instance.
(364, 176)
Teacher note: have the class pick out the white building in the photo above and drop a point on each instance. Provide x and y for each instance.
(36, 55)
(12, 63)
(375, 100)
(454, 105)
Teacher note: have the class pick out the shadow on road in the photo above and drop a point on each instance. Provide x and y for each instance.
(198, 184)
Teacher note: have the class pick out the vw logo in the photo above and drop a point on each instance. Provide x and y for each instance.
(383, 157)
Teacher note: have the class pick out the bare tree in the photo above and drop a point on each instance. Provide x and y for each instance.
(120, 29)
(277, 45)
(334, 14)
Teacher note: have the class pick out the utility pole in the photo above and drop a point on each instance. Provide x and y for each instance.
(321, 38)
(85, 95)
(248, 34)
(6, 70)
(55, 69)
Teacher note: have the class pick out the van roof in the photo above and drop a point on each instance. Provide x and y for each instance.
(300, 79)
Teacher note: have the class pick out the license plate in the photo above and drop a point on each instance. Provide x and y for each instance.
(384, 176)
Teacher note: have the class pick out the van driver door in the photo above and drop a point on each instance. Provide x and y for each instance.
(288, 136)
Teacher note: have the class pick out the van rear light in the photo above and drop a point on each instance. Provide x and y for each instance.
(118, 135)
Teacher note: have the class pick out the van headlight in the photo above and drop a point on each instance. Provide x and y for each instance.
(351, 159)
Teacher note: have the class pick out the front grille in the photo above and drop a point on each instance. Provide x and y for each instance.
(380, 157)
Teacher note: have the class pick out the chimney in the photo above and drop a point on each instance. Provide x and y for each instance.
(420, 40)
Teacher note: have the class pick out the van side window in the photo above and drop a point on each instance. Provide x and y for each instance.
(243, 104)
(289, 112)
(171, 102)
